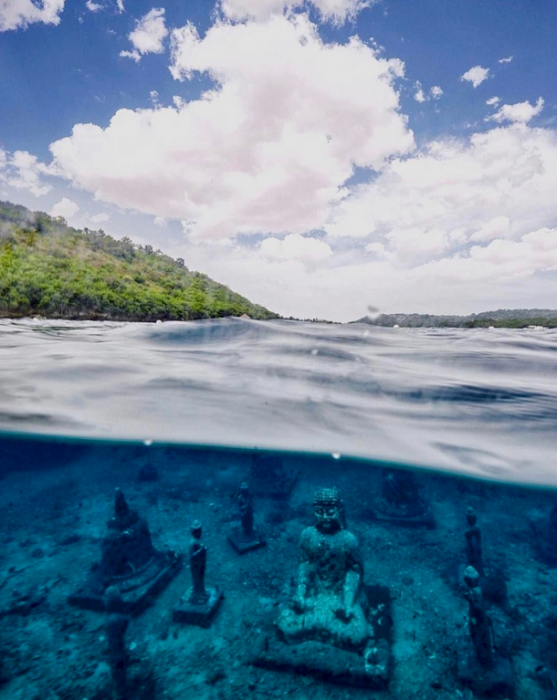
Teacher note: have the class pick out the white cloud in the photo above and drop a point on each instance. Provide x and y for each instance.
(267, 150)
(93, 6)
(15, 14)
(506, 60)
(499, 184)
(120, 6)
(296, 247)
(436, 92)
(492, 101)
(476, 75)
(336, 11)
(160, 221)
(419, 95)
(65, 208)
(101, 218)
(148, 35)
(521, 112)
(22, 171)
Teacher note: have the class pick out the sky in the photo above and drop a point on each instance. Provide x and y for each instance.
(323, 158)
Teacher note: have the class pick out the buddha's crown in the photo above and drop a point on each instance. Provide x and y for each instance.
(327, 497)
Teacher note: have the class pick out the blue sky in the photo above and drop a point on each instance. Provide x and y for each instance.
(340, 159)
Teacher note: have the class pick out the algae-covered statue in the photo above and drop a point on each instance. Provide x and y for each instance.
(327, 603)
(200, 603)
(128, 560)
(474, 542)
(401, 502)
(480, 665)
(334, 626)
(246, 537)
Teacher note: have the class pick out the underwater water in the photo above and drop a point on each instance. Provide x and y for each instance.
(115, 438)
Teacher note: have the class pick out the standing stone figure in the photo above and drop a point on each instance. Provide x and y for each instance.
(245, 506)
(479, 621)
(199, 604)
(198, 561)
(115, 626)
(474, 542)
(246, 537)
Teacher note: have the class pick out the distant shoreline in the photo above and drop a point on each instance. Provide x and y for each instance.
(502, 318)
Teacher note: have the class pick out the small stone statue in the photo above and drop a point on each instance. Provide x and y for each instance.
(198, 561)
(245, 538)
(479, 623)
(115, 627)
(199, 604)
(401, 502)
(474, 542)
(128, 560)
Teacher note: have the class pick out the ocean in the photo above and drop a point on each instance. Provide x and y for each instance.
(344, 478)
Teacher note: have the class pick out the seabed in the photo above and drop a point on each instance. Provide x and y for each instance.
(53, 516)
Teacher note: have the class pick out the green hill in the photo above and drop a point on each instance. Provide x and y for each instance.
(48, 268)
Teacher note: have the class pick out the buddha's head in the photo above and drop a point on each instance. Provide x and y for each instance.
(328, 510)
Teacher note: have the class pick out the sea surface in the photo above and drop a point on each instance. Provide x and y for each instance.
(479, 402)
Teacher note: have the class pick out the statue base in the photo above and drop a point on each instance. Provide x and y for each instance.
(495, 682)
(137, 591)
(545, 540)
(243, 543)
(370, 668)
(278, 489)
(384, 512)
(200, 614)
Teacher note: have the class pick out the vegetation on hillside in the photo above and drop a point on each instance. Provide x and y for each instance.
(503, 318)
(50, 269)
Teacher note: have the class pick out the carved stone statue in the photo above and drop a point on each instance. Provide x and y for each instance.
(401, 502)
(474, 542)
(115, 627)
(245, 538)
(200, 603)
(327, 603)
(479, 622)
(198, 561)
(128, 560)
(335, 626)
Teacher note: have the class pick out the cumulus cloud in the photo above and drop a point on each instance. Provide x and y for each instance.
(436, 92)
(508, 59)
(15, 14)
(336, 11)
(492, 101)
(23, 171)
(65, 208)
(296, 247)
(268, 149)
(93, 6)
(148, 36)
(101, 218)
(499, 184)
(521, 112)
(476, 75)
(419, 95)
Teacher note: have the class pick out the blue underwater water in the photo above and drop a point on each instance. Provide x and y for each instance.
(412, 426)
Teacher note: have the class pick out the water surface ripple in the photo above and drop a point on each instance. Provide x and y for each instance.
(482, 402)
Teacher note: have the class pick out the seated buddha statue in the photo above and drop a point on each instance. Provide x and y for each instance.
(328, 601)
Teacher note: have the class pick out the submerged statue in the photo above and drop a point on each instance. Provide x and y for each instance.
(479, 623)
(246, 537)
(199, 604)
(269, 477)
(545, 532)
(401, 502)
(327, 604)
(335, 626)
(115, 628)
(128, 560)
(474, 542)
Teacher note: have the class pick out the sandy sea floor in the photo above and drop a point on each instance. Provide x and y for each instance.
(52, 521)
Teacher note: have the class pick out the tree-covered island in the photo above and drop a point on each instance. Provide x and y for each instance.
(50, 269)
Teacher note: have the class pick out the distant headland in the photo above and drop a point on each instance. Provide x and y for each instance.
(502, 318)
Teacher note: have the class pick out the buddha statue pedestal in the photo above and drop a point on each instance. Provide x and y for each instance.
(270, 478)
(335, 627)
(199, 604)
(128, 561)
(401, 503)
(480, 666)
(246, 537)
(545, 534)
